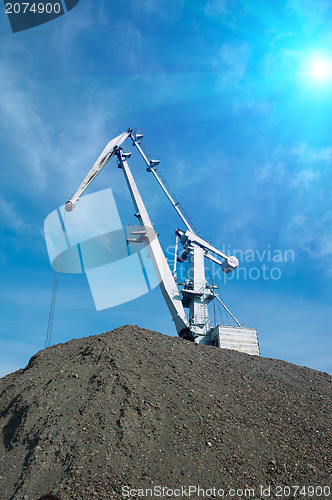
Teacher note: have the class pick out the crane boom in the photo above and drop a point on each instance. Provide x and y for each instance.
(104, 158)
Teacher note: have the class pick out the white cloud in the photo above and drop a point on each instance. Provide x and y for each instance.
(132, 46)
(10, 218)
(277, 36)
(303, 152)
(314, 237)
(218, 7)
(85, 16)
(226, 11)
(305, 178)
(282, 63)
(49, 155)
(161, 10)
(308, 5)
(308, 226)
(271, 172)
(231, 61)
(20, 122)
(255, 107)
(313, 10)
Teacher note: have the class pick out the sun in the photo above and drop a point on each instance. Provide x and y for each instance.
(320, 68)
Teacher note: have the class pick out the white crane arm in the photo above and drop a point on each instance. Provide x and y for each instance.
(164, 274)
(229, 263)
(105, 156)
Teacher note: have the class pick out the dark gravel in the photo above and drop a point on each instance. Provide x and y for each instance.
(135, 407)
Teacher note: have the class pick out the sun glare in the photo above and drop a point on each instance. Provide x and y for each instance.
(320, 69)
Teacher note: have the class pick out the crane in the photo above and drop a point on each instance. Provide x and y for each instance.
(195, 293)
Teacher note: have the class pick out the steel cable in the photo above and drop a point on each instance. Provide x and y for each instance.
(54, 292)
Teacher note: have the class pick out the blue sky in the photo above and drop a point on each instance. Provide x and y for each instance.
(225, 94)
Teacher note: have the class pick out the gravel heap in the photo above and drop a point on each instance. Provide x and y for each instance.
(137, 408)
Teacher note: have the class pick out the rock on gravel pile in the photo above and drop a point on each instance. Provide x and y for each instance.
(137, 408)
